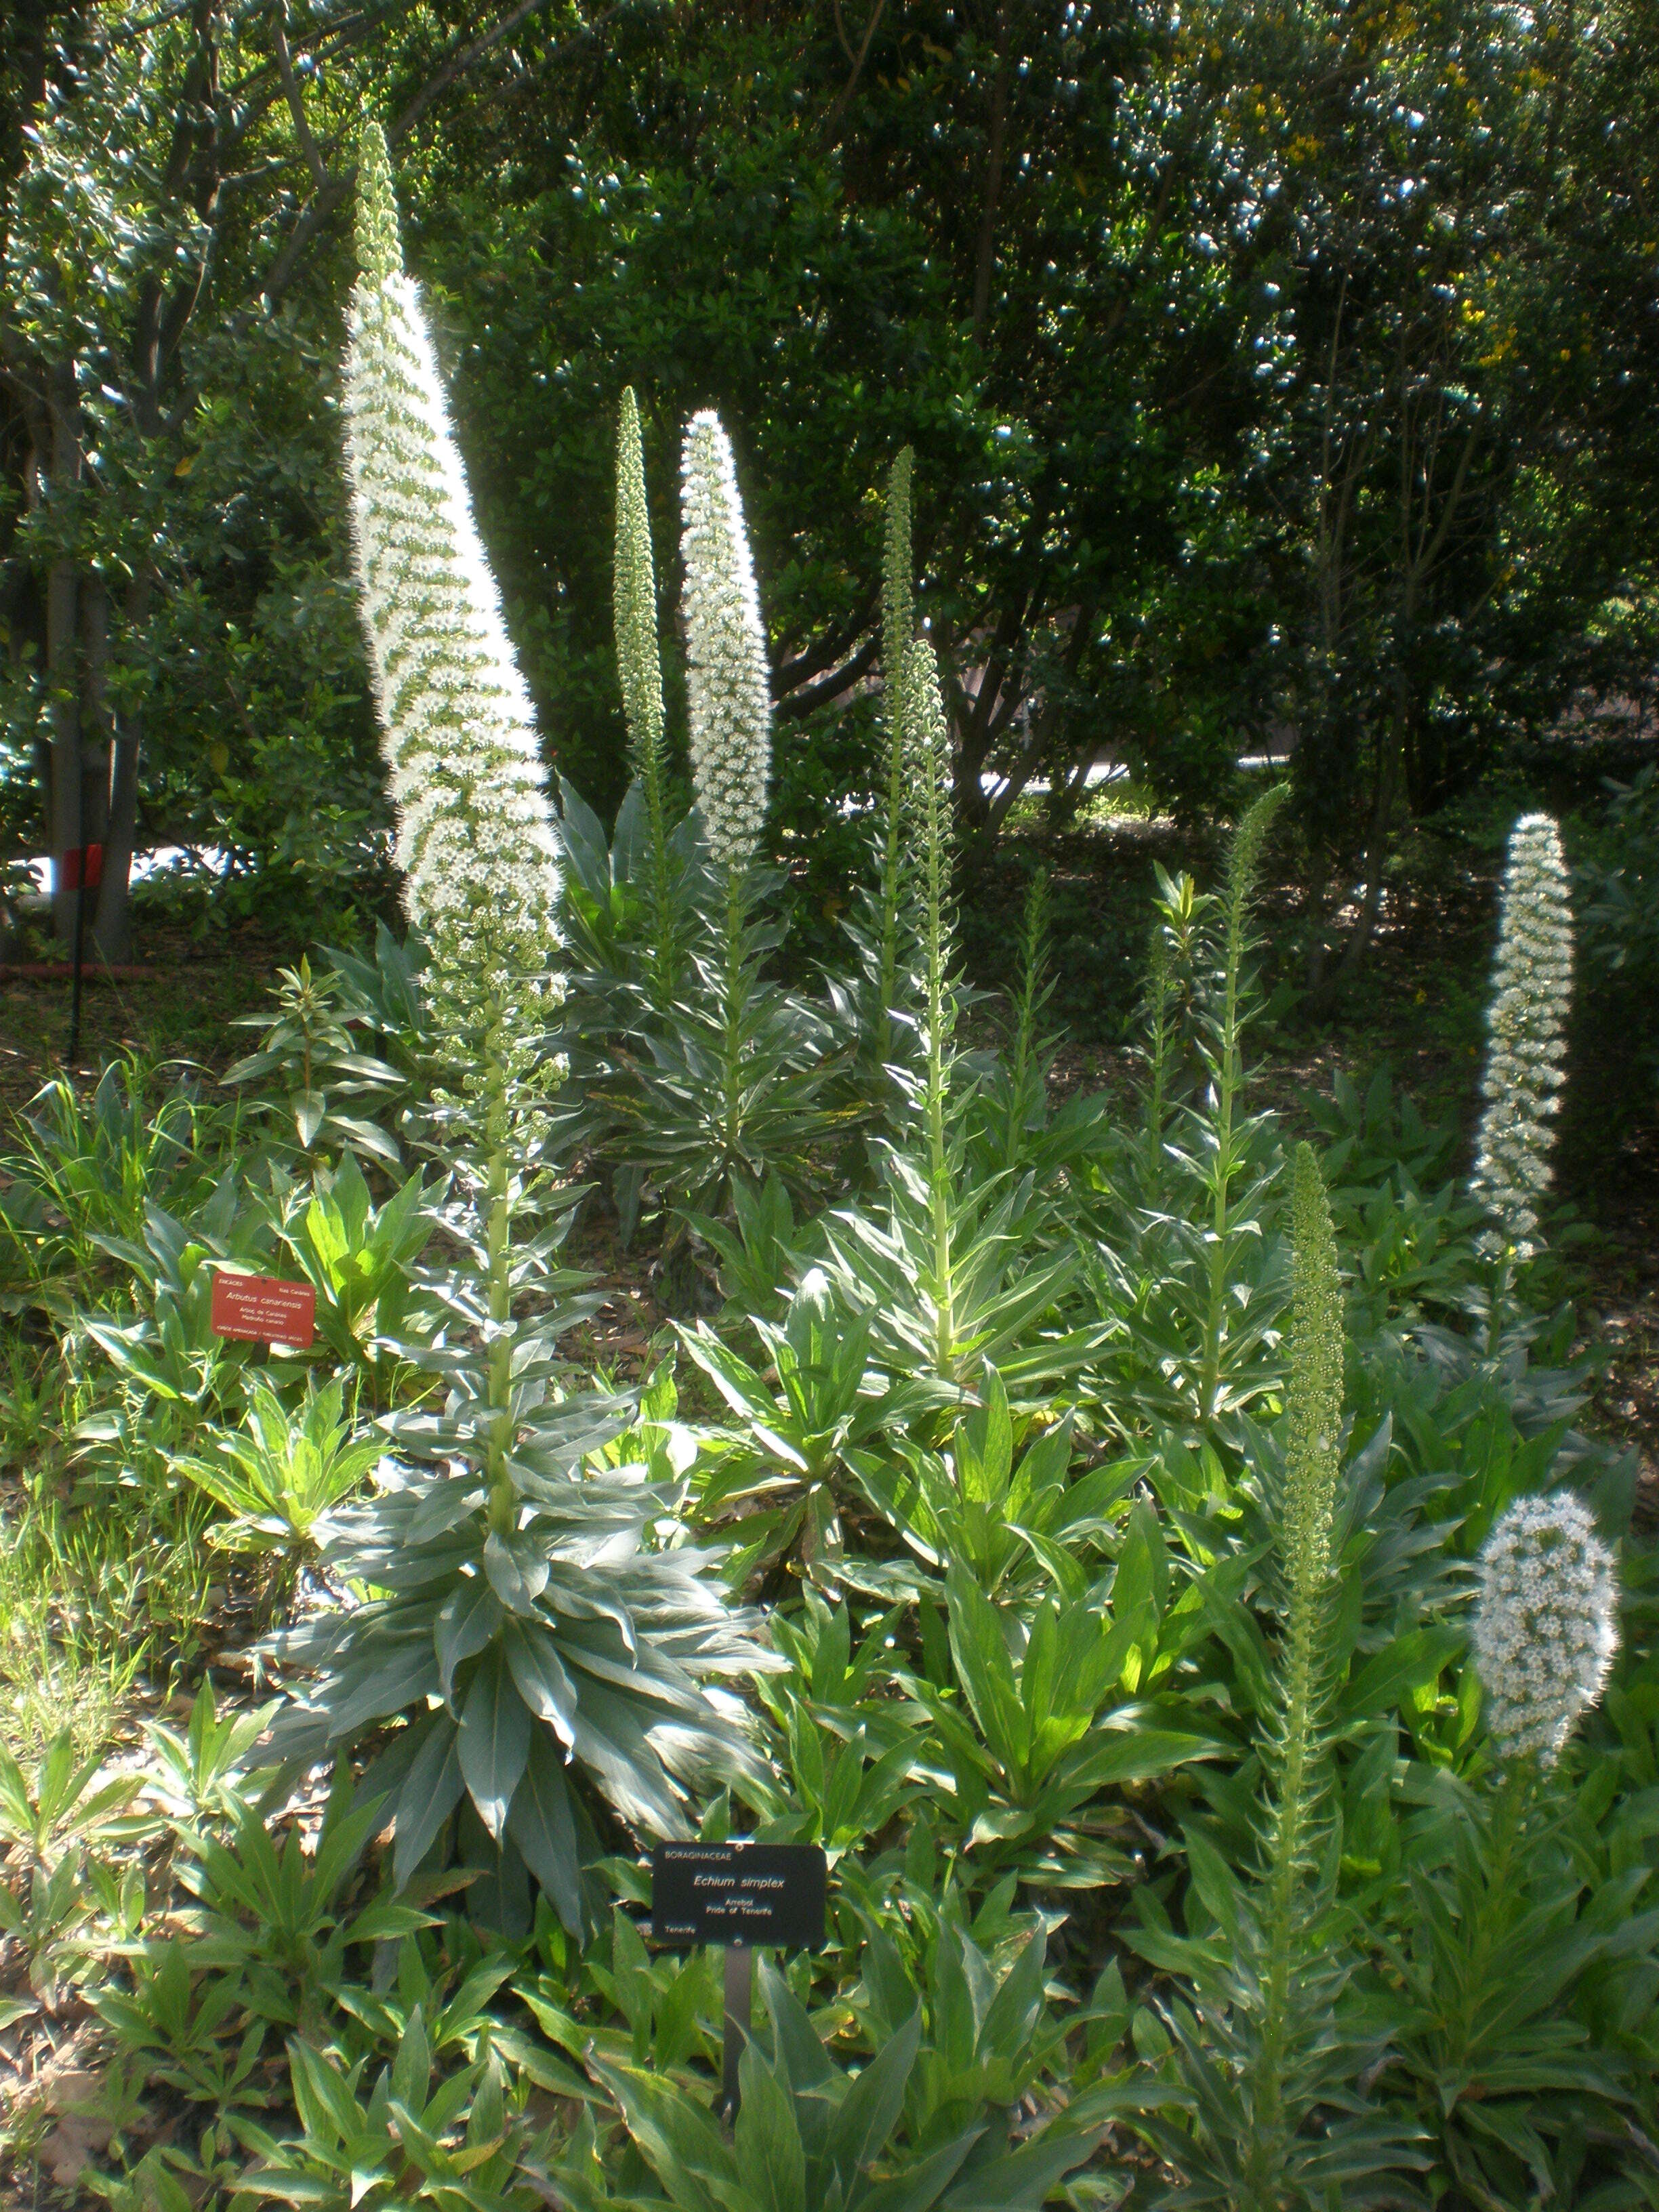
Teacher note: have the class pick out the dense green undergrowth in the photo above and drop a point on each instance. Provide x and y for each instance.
(1019, 1673)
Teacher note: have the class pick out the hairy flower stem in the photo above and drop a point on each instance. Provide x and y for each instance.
(1497, 1302)
(1033, 968)
(662, 895)
(938, 1168)
(1314, 1414)
(1228, 1075)
(496, 1117)
(898, 622)
(732, 1067)
(1159, 994)
(928, 746)
(892, 862)
(1511, 1806)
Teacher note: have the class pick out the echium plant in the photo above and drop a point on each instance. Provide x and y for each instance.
(1265, 2057)
(1546, 1625)
(639, 663)
(522, 1619)
(1527, 1018)
(971, 1263)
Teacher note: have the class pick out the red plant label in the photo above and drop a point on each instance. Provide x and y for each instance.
(83, 868)
(262, 1309)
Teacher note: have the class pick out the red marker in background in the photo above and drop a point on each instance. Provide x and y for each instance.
(83, 870)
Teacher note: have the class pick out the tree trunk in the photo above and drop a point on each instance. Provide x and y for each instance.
(64, 706)
(1389, 763)
(113, 928)
(63, 671)
(986, 252)
(94, 708)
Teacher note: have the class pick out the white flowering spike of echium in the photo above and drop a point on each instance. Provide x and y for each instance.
(639, 663)
(474, 838)
(1545, 1625)
(1526, 1020)
(726, 670)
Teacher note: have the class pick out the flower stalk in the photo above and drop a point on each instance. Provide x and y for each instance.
(639, 663)
(1243, 864)
(929, 747)
(475, 836)
(1306, 1519)
(897, 630)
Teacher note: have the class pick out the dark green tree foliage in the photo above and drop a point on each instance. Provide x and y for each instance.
(1268, 375)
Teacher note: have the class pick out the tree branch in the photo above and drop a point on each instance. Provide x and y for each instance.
(296, 106)
(838, 106)
(800, 703)
(830, 647)
(463, 57)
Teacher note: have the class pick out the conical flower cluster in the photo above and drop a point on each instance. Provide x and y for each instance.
(639, 663)
(898, 612)
(1532, 994)
(1546, 1624)
(928, 755)
(1314, 1395)
(731, 696)
(474, 835)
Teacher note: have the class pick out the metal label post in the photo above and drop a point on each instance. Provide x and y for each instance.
(740, 2015)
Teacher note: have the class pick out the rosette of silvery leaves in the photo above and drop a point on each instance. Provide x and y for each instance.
(1545, 1625)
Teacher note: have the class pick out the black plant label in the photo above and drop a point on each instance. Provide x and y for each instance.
(770, 1894)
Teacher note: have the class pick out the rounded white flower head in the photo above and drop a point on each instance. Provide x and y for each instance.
(730, 687)
(1531, 996)
(1546, 1624)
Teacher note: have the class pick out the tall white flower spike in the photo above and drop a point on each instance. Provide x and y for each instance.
(1546, 1624)
(1526, 1020)
(475, 837)
(730, 686)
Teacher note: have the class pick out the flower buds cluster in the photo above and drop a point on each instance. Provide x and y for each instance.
(1546, 1624)
(1526, 1020)
(726, 671)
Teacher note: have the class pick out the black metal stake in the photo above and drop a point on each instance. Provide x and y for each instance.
(739, 2014)
(73, 1054)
